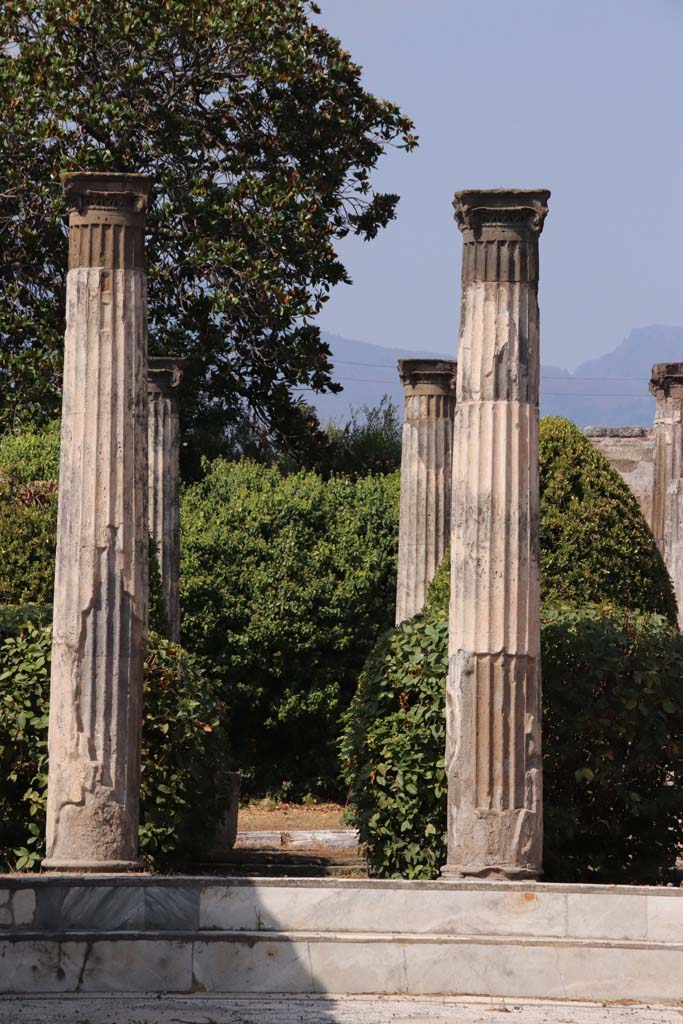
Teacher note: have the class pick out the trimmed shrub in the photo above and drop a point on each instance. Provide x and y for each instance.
(29, 466)
(13, 616)
(286, 583)
(595, 543)
(613, 746)
(183, 787)
(392, 751)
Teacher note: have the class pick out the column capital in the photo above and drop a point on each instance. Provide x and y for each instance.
(427, 376)
(164, 372)
(499, 214)
(665, 378)
(106, 219)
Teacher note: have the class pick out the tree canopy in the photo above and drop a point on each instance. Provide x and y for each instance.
(261, 140)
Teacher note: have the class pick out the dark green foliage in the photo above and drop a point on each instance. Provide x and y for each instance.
(612, 696)
(369, 443)
(12, 616)
(183, 791)
(392, 751)
(261, 140)
(286, 583)
(29, 465)
(613, 747)
(595, 544)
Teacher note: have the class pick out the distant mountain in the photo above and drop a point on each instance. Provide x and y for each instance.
(610, 391)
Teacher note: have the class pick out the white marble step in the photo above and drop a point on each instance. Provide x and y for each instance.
(236, 936)
(298, 838)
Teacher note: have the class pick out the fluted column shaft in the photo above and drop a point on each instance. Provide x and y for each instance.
(426, 466)
(163, 378)
(493, 699)
(100, 602)
(666, 385)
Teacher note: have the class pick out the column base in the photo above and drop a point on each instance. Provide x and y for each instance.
(478, 872)
(96, 867)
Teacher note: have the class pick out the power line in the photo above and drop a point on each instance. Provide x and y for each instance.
(547, 394)
(568, 379)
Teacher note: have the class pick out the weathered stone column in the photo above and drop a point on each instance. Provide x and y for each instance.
(101, 581)
(493, 699)
(163, 377)
(666, 385)
(426, 465)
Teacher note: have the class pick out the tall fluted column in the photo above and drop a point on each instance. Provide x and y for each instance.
(163, 378)
(101, 584)
(493, 698)
(426, 464)
(666, 385)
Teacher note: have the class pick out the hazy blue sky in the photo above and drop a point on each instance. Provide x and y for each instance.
(584, 97)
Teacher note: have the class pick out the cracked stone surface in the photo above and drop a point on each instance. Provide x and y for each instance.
(426, 466)
(493, 691)
(323, 1010)
(100, 603)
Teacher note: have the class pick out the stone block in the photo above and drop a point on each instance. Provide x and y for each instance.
(230, 907)
(608, 916)
(40, 966)
(69, 907)
(142, 965)
(252, 964)
(359, 967)
(340, 909)
(23, 907)
(665, 917)
(171, 908)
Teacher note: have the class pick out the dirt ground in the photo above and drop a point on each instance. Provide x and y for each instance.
(267, 816)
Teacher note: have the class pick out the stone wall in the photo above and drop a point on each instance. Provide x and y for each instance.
(631, 451)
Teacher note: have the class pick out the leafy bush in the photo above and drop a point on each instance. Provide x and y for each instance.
(29, 465)
(392, 751)
(286, 583)
(183, 787)
(613, 744)
(369, 443)
(13, 616)
(595, 543)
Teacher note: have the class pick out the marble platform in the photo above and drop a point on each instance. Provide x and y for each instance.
(127, 934)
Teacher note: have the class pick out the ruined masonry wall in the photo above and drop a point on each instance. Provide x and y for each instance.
(631, 451)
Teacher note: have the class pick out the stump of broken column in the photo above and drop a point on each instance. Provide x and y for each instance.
(101, 578)
(163, 379)
(666, 384)
(426, 459)
(493, 699)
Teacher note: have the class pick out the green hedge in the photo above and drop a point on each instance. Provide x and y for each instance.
(286, 583)
(183, 786)
(612, 743)
(612, 695)
(595, 543)
(29, 466)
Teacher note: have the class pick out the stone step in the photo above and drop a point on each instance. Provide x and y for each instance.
(296, 838)
(248, 935)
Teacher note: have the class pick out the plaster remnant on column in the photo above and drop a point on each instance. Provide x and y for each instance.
(493, 698)
(666, 384)
(163, 379)
(100, 601)
(426, 466)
